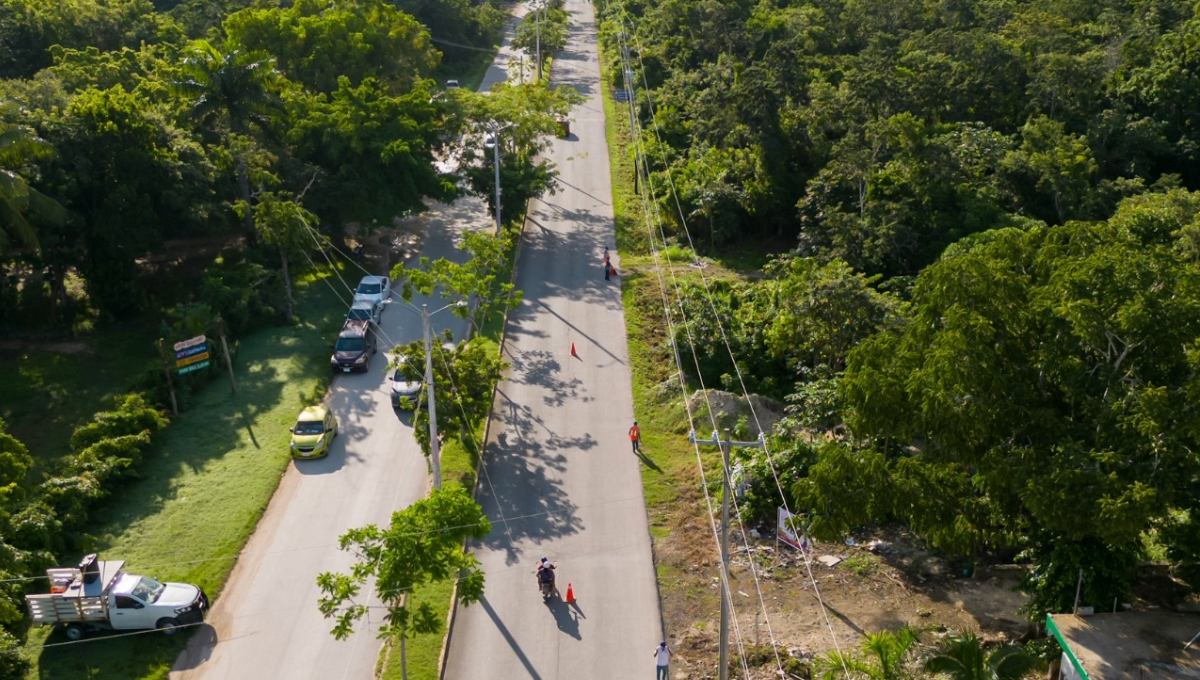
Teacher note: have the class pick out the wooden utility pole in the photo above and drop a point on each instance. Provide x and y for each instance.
(228, 359)
(162, 350)
(727, 474)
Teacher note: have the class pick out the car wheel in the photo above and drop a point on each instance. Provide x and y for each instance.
(167, 626)
(74, 632)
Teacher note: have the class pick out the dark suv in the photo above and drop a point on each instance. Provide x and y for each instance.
(355, 345)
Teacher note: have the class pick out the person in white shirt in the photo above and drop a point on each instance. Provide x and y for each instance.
(663, 654)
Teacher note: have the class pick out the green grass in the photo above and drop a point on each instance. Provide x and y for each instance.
(861, 564)
(204, 486)
(45, 395)
(627, 204)
(469, 73)
(423, 651)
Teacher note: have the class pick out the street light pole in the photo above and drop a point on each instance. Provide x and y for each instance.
(435, 462)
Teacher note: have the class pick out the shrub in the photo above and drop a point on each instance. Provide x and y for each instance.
(132, 416)
(13, 663)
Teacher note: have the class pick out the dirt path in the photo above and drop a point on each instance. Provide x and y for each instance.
(864, 591)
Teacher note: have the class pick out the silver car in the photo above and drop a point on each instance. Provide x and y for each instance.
(405, 392)
(373, 289)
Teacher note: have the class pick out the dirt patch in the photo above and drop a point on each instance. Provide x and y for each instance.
(864, 589)
(729, 409)
(56, 347)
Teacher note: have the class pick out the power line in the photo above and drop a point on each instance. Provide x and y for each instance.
(636, 138)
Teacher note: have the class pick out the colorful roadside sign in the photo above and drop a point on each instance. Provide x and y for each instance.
(191, 351)
(194, 367)
(190, 342)
(193, 359)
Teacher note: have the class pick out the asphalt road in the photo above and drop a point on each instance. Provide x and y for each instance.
(559, 477)
(266, 623)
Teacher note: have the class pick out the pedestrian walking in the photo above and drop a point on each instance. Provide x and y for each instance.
(662, 655)
(635, 438)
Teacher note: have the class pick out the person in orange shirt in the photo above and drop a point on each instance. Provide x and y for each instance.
(635, 438)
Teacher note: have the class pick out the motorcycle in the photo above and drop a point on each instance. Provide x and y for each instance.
(545, 578)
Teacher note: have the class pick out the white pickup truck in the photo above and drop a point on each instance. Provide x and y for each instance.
(98, 594)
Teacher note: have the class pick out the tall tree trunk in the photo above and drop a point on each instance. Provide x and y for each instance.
(287, 285)
(403, 652)
(56, 287)
(243, 179)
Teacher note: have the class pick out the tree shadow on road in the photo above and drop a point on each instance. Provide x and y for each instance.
(539, 367)
(521, 498)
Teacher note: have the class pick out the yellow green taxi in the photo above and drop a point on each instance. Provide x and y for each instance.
(314, 432)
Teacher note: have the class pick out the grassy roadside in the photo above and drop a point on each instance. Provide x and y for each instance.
(670, 477)
(207, 481)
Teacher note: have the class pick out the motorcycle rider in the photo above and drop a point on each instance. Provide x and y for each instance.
(545, 573)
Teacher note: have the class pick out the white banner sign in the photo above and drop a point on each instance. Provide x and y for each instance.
(786, 532)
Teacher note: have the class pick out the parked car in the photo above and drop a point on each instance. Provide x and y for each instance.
(364, 310)
(451, 84)
(354, 347)
(373, 289)
(406, 393)
(313, 433)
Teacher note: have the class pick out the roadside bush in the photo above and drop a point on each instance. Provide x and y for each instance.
(37, 530)
(759, 494)
(70, 497)
(13, 663)
(106, 458)
(133, 415)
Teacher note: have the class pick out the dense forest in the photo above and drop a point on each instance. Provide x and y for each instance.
(261, 130)
(984, 309)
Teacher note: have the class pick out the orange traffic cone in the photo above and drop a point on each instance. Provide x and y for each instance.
(570, 594)
(573, 352)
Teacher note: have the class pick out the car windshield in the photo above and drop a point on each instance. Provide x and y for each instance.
(349, 345)
(359, 314)
(148, 590)
(309, 427)
(368, 289)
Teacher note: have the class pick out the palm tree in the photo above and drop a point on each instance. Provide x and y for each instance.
(962, 657)
(231, 94)
(18, 201)
(885, 656)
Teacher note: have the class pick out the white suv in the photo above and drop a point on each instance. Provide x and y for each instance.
(373, 289)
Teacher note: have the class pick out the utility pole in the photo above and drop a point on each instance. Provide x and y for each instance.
(162, 349)
(496, 157)
(537, 23)
(228, 359)
(435, 464)
(727, 473)
(495, 128)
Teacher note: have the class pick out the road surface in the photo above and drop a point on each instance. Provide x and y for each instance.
(560, 479)
(266, 623)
